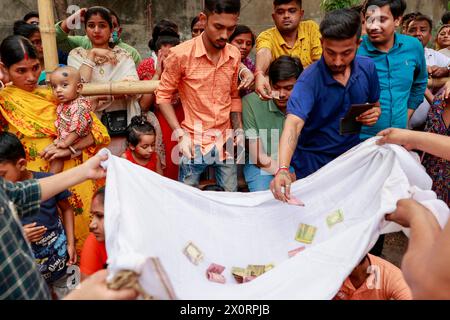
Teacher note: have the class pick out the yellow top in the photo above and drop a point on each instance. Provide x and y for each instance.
(307, 47)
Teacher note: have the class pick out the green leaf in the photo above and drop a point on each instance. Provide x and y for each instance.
(330, 5)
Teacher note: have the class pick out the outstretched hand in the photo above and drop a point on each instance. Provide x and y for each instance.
(95, 288)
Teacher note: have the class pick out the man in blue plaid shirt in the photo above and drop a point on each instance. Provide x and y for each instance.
(20, 278)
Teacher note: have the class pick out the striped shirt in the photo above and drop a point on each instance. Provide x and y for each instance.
(208, 92)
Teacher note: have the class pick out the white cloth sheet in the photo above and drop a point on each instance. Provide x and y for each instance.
(147, 215)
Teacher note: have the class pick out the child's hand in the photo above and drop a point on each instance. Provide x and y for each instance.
(33, 233)
(61, 145)
(72, 252)
(48, 149)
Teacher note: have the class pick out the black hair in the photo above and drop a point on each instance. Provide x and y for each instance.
(280, 2)
(241, 29)
(445, 18)
(11, 149)
(284, 68)
(165, 40)
(113, 13)
(397, 7)
(407, 18)
(14, 49)
(358, 8)
(31, 14)
(21, 28)
(102, 12)
(138, 127)
(341, 24)
(194, 22)
(213, 187)
(422, 17)
(222, 6)
(100, 193)
(410, 16)
(163, 27)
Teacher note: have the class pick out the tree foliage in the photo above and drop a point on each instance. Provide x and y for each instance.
(330, 5)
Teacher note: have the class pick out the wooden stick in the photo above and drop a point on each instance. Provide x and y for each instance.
(48, 35)
(119, 88)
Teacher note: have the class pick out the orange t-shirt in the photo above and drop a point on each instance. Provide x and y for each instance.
(93, 256)
(385, 282)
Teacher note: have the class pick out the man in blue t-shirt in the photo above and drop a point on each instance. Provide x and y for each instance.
(52, 240)
(322, 96)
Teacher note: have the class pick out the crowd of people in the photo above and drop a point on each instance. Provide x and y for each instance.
(219, 120)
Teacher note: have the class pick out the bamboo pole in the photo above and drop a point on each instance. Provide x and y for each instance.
(48, 35)
(119, 88)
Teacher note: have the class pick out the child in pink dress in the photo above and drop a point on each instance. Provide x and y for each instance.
(74, 120)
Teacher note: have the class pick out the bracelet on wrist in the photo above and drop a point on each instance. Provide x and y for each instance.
(241, 71)
(89, 63)
(282, 168)
(259, 72)
(73, 150)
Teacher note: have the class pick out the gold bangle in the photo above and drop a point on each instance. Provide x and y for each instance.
(72, 150)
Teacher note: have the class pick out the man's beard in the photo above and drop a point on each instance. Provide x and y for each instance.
(337, 70)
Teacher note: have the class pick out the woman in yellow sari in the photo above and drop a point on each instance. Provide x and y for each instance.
(30, 112)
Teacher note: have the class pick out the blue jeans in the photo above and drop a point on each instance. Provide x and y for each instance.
(191, 170)
(257, 179)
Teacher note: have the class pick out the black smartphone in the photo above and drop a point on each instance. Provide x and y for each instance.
(348, 124)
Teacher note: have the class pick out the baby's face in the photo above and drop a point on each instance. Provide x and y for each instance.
(65, 85)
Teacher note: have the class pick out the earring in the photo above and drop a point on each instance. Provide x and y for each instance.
(2, 85)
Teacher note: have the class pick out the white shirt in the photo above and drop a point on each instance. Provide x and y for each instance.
(445, 51)
(436, 58)
(432, 58)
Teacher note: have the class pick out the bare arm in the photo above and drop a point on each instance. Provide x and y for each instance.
(236, 120)
(146, 101)
(292, 128)
(410, 113)
(53, 185)
(429, 96)
(435, 144)
(262, 85)
(425, 264)
(259, 157)
(168, 112)
(289, 138)
(184, 139)
(159, 169)
(68, 140)
(85, 70)
(68, 222)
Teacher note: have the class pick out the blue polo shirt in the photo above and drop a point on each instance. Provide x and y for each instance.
(403, 80)
(321, 102)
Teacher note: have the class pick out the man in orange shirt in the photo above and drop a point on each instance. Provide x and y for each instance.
(205, 72)
(374, 279)
(93, 256)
